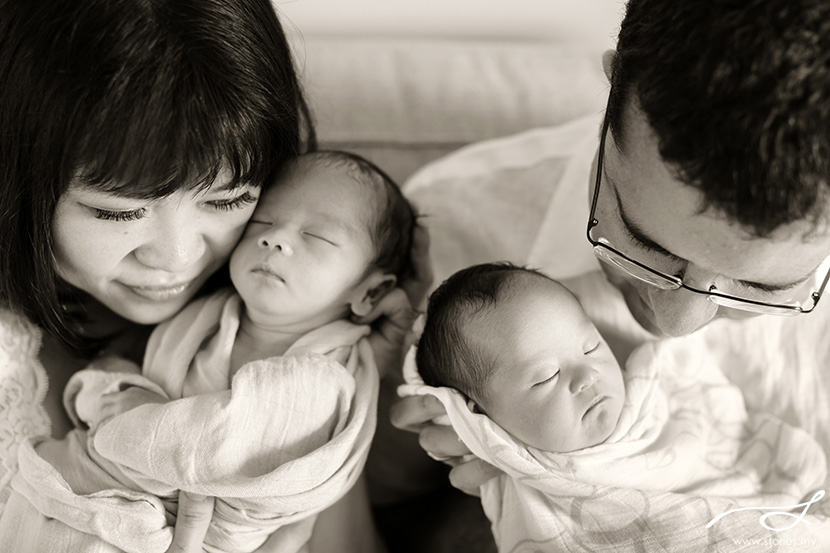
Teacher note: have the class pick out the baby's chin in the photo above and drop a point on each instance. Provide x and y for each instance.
(605, 422)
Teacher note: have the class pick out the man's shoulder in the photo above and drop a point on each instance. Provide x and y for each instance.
(489, 159)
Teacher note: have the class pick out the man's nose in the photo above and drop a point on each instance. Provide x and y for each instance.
(680, 312)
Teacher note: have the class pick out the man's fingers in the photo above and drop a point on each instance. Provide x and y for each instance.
(469, 477)
(195, 512)
(412, 412)
(442, 442)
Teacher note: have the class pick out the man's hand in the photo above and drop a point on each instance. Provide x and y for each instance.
(192, 521)
(415, 414)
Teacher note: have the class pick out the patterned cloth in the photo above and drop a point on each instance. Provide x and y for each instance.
(684, 450)
(287, 440)
(22, 390)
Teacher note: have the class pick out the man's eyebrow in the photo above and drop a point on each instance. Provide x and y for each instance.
(634, 230)
(637, 233)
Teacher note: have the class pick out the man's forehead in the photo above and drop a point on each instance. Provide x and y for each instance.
(669, 212)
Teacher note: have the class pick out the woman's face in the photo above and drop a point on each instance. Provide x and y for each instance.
(145, 259)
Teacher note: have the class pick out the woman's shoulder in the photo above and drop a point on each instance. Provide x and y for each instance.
(19, 338)
(22, 390)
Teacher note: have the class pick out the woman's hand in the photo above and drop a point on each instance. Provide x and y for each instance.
(195, 512)
(393, 315)
(115, 403)
(415, 414)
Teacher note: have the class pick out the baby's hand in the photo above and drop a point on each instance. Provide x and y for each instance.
(115, 403)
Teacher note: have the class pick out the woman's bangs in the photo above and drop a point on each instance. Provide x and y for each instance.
(136, 157)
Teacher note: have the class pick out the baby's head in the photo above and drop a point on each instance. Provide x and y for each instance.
(330, 237)
(520, 346)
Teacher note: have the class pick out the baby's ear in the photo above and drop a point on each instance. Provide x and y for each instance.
(371, 291)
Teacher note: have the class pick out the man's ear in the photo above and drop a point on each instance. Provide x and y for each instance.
(607, 62)
(371, 291)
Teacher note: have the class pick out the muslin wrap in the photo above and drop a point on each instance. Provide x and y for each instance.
(287, 439)
(684, 451)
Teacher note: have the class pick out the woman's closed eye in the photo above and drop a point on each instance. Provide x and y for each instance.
(591, 347)
(119, 216)
(231, 204)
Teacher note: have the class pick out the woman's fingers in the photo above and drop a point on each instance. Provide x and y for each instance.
(391, 320)
(413, 412)
(195, 512)
(468, 477)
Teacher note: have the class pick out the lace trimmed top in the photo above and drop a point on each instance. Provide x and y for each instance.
(23, 385)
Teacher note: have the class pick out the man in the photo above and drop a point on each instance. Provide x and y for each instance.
(708, 192)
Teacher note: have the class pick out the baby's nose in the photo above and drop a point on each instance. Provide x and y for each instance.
(584, 377)
(279, 245)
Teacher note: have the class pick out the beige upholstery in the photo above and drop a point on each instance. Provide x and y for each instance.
(404, 102)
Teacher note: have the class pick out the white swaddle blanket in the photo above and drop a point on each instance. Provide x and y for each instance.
(684, 451)
(288, 439)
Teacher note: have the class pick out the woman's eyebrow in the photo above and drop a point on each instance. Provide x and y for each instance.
(639, 235)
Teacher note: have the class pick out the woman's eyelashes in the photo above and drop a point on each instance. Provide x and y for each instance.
(230, 204)
(244, 199)
(119, 216)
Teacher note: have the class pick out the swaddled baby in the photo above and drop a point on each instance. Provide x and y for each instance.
(589, 449)
(279, 385)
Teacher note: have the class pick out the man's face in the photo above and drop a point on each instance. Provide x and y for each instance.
(650, 215)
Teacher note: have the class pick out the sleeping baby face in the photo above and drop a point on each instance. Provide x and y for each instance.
(556, 385)
(306, 253)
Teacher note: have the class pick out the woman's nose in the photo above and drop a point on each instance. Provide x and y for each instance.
(680, 312)
(276, 240)
(584, 376)
(174, 247)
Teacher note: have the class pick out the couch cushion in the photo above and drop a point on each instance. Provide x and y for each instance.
(404, 102)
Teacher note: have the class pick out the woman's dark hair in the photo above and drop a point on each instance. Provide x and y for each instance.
(738, 94)
(143, 97)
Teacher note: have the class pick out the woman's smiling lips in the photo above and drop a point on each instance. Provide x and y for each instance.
(159, 293)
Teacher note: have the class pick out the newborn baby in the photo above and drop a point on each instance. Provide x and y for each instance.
(591, 451)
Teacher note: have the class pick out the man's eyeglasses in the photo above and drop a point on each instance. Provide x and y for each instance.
(607, 253)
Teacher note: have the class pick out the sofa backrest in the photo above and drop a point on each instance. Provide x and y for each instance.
(404, 102)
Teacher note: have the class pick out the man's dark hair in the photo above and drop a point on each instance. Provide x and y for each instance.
(445, 355)
(394, 219)
(738, 94)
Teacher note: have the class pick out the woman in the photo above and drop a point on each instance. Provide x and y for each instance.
(137, 138)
